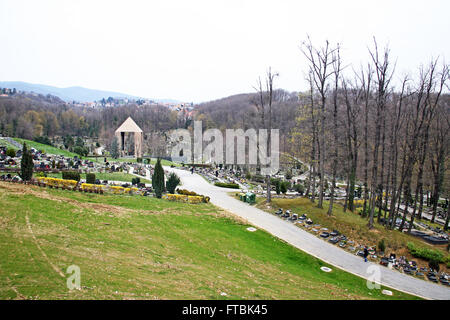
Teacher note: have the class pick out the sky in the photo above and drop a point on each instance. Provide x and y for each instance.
(200, 50)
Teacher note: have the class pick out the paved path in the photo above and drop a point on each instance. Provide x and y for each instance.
(309, 243)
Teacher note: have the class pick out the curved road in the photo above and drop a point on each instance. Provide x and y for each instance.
(309, 243)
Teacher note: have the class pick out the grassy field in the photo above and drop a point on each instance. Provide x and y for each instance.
(353, 226)
(113, 176)
(131, 247)
(8, 145)
(46, 148)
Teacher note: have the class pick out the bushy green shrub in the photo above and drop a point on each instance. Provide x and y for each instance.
(278, 187)
(90, 178)
(172, 182)
(426, 254)
(381, 245)
(158, 179)
(135, 181)
(43, 140)
(71, 175)
(26, 164)
(299, 188)
(284, 186)
(227, 185)
(11, 152)
(82, 151)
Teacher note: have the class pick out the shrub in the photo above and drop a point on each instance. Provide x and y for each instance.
(273, 181)
(26, 164)
(43, 140)
(139, 160)
(186, 192)
(426, 254)
(135, 181)
(381, 245)
(71, 175)
(158, 179)
(299, 188)
(284, 186)
(11, 152)
(192, 193)
(172, 182)
(82, 151)
(227, 185)
(278, 187)
(90, 178)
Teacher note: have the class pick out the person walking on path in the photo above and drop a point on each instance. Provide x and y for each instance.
(366, 253)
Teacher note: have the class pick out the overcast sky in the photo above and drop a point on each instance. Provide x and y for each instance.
(202, 50)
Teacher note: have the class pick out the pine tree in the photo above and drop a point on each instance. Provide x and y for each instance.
(115, 149)
(158, 179)
(278, 187)
(172, 182)
(26, 164)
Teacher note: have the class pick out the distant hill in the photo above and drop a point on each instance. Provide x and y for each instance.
(78, 94)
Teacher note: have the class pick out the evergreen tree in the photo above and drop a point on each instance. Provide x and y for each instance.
(278, 187)
(26, 164)
(115, 149)
(172, 182)
(158, 179)
(284, 187)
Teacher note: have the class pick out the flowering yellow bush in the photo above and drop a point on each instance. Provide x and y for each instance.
(55, 182)
(195, 199)
(117, 189)
(92, 187)
(183, 198)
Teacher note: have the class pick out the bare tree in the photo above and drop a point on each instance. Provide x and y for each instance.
(337, 69)
(431, 102)
(320, 61)
(383, 77)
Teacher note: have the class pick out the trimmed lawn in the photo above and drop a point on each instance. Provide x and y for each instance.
(46, 148)
(132, 247)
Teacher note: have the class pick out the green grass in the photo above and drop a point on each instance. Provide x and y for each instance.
(131, 247)
(113, 176)
(46, 148)
(8, 145)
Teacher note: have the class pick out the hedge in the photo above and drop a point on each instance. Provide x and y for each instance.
(71, 175)
(227, 185)
(426, 254)
(90, 178)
